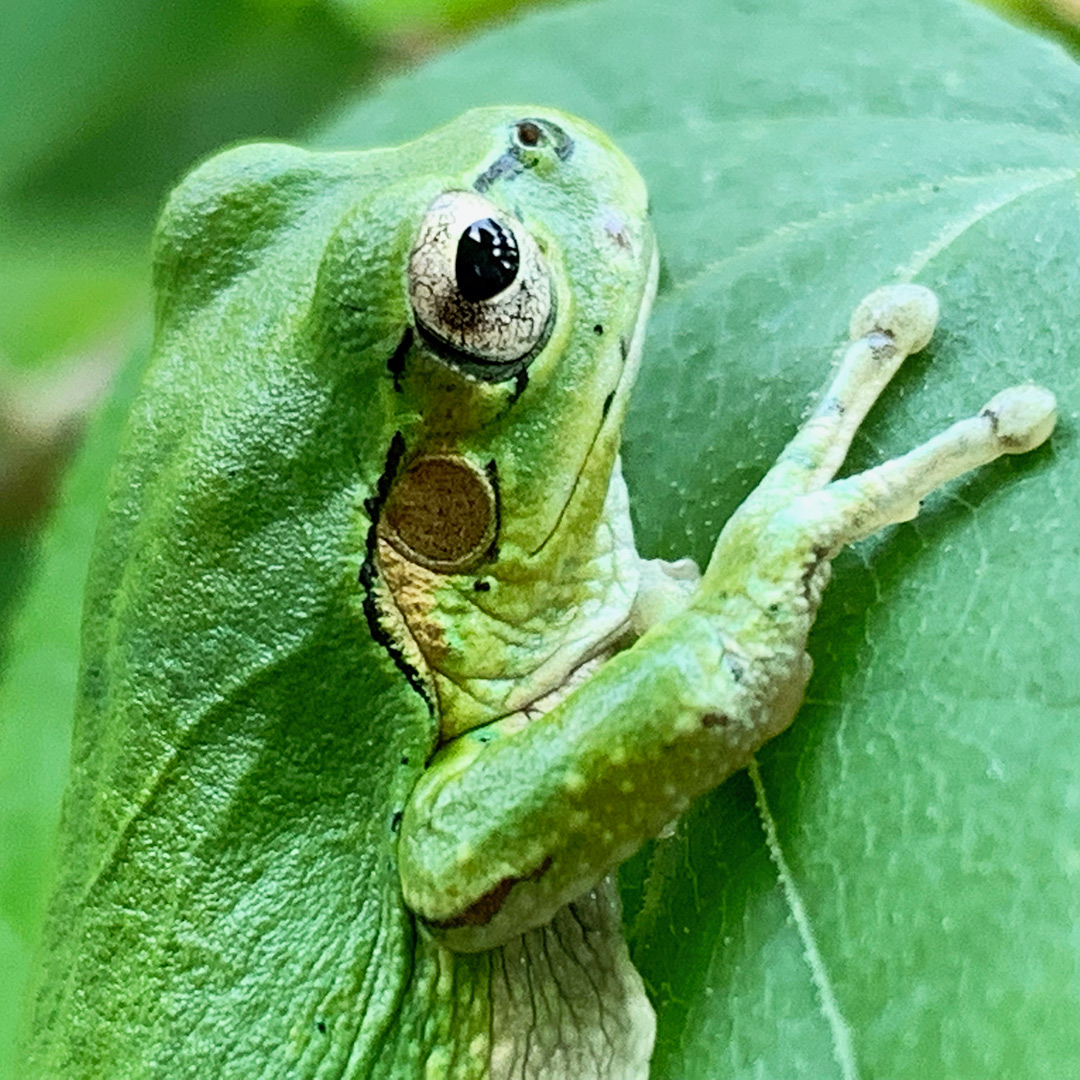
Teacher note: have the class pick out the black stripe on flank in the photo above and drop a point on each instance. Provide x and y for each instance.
(369, 572)
(521, 381)
(396, 364)
(492, 471)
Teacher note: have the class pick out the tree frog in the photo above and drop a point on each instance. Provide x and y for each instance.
(376, 690)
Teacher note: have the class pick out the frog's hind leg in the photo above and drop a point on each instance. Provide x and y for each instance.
(888, 326)
(1013, 422)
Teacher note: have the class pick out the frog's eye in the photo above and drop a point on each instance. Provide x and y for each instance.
(479, 287)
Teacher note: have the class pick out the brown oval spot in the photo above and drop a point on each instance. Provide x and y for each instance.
(441, 512)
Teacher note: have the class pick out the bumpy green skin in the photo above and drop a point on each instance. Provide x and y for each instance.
(230, 903)
(349, 775)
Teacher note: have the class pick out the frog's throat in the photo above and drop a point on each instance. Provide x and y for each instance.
(475, 665)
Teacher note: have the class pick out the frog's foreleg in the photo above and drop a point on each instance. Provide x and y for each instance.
(888, 326)
(797, 520)
(542, 813)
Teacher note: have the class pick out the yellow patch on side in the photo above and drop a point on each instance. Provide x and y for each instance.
(407, 608)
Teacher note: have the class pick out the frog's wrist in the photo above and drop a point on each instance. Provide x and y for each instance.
(664, 589)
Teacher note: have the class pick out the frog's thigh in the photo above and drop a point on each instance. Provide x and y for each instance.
(1015, 421)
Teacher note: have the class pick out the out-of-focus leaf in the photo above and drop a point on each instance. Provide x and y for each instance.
(916, 912)
(70, 73)
(105, 104)
(415, 17)
(1056, 18)
(37, 692)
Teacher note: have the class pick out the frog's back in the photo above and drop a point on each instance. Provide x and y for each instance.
(229, 902)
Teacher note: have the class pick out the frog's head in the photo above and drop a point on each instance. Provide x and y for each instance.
(497, 280)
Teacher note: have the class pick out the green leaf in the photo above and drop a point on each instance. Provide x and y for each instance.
(925, 801)
(915, 911)
(95, 130)
(36, 702)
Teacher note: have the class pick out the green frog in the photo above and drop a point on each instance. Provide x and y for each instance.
(376, 690)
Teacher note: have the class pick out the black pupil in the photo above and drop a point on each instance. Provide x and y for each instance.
(487, 260)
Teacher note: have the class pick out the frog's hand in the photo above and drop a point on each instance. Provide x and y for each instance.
(1013, 422)
(796, 518)
(577, 791)
(888, 326)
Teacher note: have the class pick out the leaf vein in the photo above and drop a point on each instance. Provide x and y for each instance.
(1041, 177)
(955, 229)
(843, 1049)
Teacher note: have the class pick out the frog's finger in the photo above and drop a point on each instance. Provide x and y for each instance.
(888, 326)
(1013, 422)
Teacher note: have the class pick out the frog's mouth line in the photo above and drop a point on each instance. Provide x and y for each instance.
(631, 362)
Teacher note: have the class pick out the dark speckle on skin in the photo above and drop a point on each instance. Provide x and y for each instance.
(395, 823)
(607, 404)
(598, 329)
(396, 364)
(711, 720)
(735, 667)
(321, 1025)
(615, 227)
(481, 585)
(813, 565)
